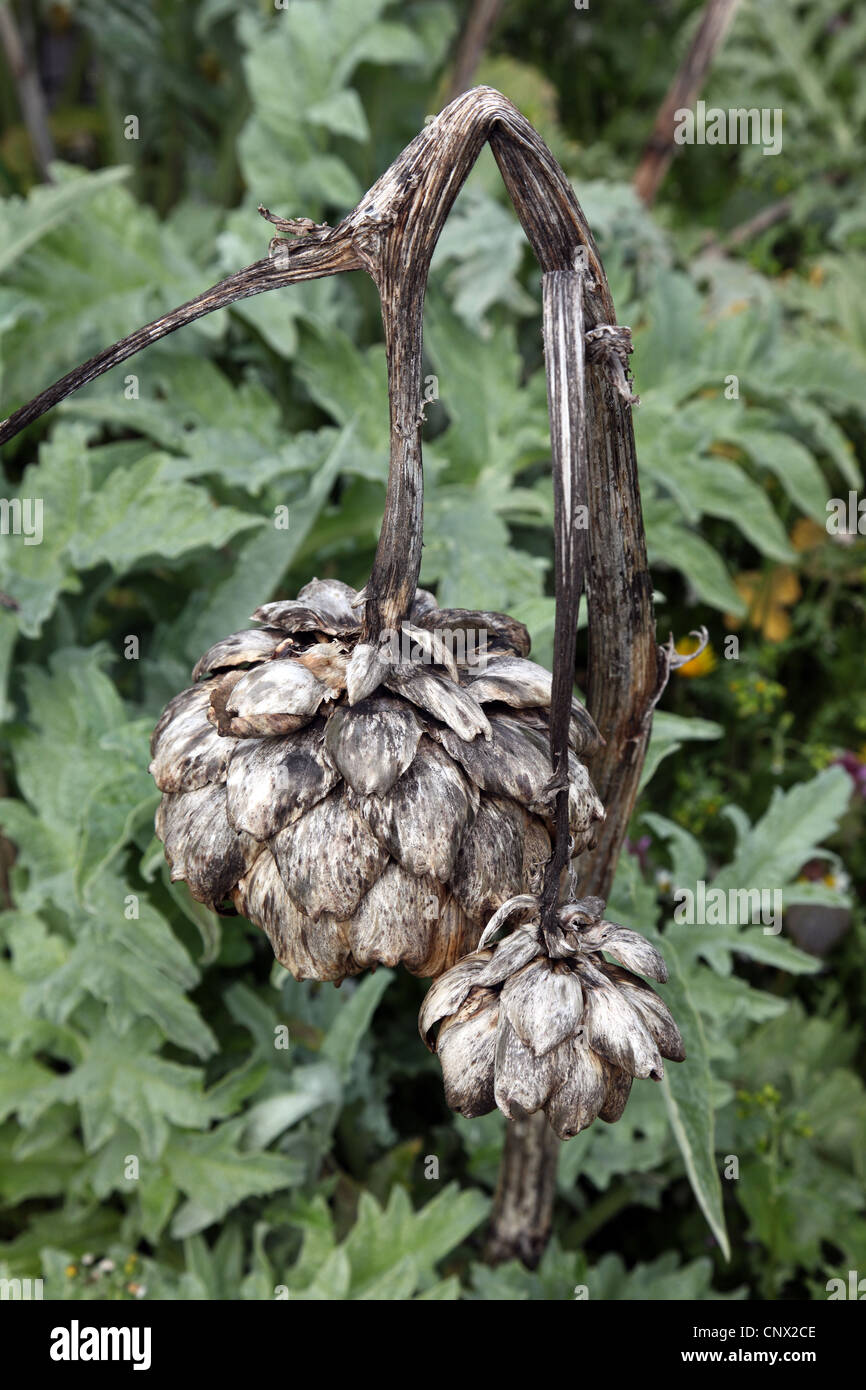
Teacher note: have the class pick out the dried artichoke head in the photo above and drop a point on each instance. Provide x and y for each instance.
(542, 1021)
(364, 802)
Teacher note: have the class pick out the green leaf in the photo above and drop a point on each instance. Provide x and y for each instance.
(216, 1175)
(341, 114)
(483, 246)
(688, 860)
(120, 1079)
(381, 1239)
(463, 556)
(669, 732)
(109, 267)
(138, 513)
(665, 1279)
(36, 574)
(789, 833)
(24, 222)
(497, 422)
(688, 1091)
(313, 1087)
(670, 544)
(792, 464)
(344, 1036)
(721, 943)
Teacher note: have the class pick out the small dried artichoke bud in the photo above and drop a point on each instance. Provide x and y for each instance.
(365, 803)
(545, 1022)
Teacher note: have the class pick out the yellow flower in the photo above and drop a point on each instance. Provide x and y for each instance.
(807, 534)
(700, 665)
(71, 1271)
(767, 596)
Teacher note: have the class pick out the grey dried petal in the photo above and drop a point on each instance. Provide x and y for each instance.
(579, 1099)
(511, 764)
(221, 689)
(252, 645)
(514, 681)
(584, 807)
(522, 1082)
(583, 736)
(489, 867)
(536, 852)
(423, 603)
(408, 921)
(630, 949)
(187, 751)
(200, 845)
(394, 920)
(275, 691)
(584, 912)
(421, 821)
(326, 941)
(585, 810)
(512, 954)
(654, 1012)
(491, 632)
(323, 605)
(524, 908)
(429, 646)
(447, 993)
(366, 669)
(272, 782)
(618, 1091)
(328, 859)
(261, 896)
(544, 1004)
(466, 1047)
(372, 743)
(615, 1030)
(455, 935)
(441, 697)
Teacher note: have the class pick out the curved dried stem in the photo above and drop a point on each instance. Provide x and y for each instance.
(305, 260)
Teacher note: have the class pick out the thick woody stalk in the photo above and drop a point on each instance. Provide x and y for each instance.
(564, 352)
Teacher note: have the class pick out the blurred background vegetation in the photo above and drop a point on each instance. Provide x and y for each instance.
(136, 1025)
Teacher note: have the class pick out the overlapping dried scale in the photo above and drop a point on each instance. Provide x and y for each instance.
(252, 645)
(441, 697)
(261, 896)
(582, 1095)
(200, 844)
(372, 743)
(187, 753)
(277, 697)
(271, 782)
(572, 1031)
(511, 680)
(489, 867)
(467, 1048)
(354, 858)
(511, 764)
(492, 632)
(422, 820)
(358, 806)
(323, 605)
